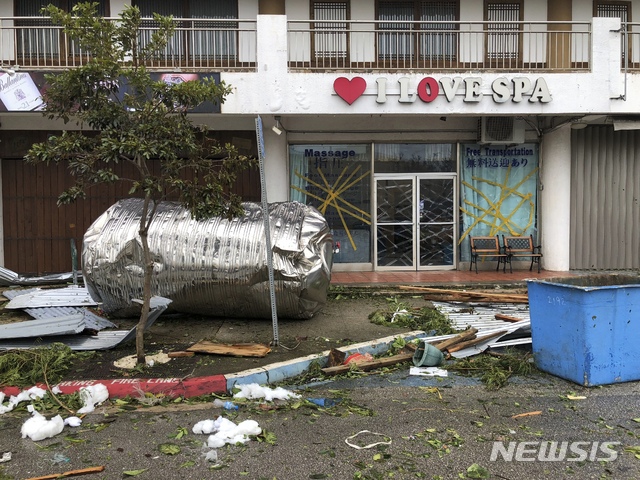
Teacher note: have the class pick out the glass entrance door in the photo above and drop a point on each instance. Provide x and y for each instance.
(395, 222)
(415, 222)
(437, 208)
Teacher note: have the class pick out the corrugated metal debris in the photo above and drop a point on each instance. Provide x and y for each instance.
(69, 325)
(9, 277)
(71, 330)
(483, 318)
(91, 320)
(215, 266)
(71, 296)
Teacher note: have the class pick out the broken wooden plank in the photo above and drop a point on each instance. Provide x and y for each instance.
(460, 295)
(475, 341)
(507, 318)
(366, 366)
(180, 354)
(235, 350)
(461, 337)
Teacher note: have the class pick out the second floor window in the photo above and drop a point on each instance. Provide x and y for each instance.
(205, 30)
(418, 30)
(37, 40)
(330, 37)
(503, 41)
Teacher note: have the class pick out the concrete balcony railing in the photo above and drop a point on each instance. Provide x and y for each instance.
(360, 46)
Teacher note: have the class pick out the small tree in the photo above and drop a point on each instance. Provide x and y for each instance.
(148, 122)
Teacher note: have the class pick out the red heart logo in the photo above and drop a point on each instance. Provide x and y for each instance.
(349, 90)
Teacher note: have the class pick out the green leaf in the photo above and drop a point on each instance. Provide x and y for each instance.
(169, 448)
(133, 473)
(476, 471)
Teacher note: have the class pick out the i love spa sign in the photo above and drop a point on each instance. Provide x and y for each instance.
(429, 89)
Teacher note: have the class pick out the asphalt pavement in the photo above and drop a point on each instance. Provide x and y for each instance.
(379, 426)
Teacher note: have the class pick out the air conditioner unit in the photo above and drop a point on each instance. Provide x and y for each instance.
(501, 130)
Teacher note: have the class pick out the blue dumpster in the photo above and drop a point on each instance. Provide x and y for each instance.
(587, 328)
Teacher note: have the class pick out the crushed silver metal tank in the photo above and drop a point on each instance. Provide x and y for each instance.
(214, 267)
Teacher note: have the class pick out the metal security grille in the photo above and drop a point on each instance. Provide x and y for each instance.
(332, 43)
(605, 188)
(503, 30)
(613, 10)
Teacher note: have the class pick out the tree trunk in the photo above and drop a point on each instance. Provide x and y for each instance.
(148, 273)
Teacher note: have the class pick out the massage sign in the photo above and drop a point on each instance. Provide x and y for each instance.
(471, 89)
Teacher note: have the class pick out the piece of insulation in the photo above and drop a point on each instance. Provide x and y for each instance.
(214, 267)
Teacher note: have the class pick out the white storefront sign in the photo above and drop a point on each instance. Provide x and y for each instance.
(429, 89)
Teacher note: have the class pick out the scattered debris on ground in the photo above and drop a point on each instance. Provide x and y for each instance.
(234, 350)
(64, 315)
(444, 295)
(401, 314)
(130, 362)
(494, 369)
(24, 368)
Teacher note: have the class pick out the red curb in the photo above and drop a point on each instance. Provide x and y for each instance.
(123, 387)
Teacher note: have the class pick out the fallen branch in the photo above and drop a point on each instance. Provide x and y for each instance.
(70, 473)
(527, 414)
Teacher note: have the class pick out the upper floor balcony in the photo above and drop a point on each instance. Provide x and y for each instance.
(33, 43)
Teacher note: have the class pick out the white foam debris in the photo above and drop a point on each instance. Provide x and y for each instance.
(91, 396)
(224, 431)
(254, 391)
(38, 427)
(205, 426)
(73, 421)
(34, 393)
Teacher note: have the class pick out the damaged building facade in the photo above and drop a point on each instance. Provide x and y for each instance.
(410, 125)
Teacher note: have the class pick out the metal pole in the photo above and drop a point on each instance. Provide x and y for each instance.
(267, 231)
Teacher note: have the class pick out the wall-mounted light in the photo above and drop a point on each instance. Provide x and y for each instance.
(277, 128)
(579, 125)
(9, 71)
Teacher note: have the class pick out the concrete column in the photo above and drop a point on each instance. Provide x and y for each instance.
(271, 7)
(555, 199)
(606, 55)
(272, 57)
(559, 44)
